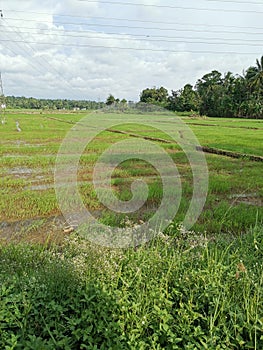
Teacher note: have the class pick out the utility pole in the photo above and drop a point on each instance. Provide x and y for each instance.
(1, 86)
(2, 101)
(2, 95)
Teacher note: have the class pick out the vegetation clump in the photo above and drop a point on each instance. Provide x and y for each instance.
(180, 291)
(216, 95)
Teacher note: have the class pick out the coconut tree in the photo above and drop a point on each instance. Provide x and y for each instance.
(254, 75)
(254, 79)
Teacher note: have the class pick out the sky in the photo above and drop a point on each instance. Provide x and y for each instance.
(83, 49)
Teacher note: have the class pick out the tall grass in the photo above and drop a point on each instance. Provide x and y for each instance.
(180, 291)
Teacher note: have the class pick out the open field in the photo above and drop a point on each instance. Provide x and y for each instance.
(185, 289)
(234, 201)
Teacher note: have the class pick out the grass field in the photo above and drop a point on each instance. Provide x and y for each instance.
(234, 201)
(198, 289)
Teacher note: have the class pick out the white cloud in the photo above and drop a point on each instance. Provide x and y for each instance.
(44, 54)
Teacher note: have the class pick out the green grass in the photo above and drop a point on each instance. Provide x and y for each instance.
(199, 289)
(34, 151)
(229, 134)
(227, 122)
(181, 291)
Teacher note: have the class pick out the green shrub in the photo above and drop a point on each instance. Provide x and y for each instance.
(180, 291)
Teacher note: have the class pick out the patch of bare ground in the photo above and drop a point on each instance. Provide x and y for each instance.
(230, 154)
(247, 198)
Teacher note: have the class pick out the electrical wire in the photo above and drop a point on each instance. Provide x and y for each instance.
(140, 27)
(143, 37)
(149, 40)
(235, 2)
(22, 48)
(173, 7)
(15, 53)
(135, 20)
(129, 36)
(133, 48)
(43, 62)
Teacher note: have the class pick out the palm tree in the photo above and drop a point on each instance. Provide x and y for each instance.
(254, 75)
(254, 81)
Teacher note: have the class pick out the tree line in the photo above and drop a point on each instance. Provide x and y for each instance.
(35, 103)
(215, 94)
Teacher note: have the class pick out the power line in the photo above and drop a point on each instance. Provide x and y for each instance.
(140, 27)
(137, 20)
(44, 63)
(176, 40)
(28, 62)
(174, 7)
(127, 36)
(35, 67)
(133, 48)
(236, 2)
(134, 36)
(22, 48)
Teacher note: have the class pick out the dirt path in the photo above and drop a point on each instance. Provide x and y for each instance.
(227, 126)
(205, 149)
(231, 154)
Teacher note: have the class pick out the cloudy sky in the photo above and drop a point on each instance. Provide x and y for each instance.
(83, 49)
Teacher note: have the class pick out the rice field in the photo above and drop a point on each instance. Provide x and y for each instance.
(28, 158)
(184, 289)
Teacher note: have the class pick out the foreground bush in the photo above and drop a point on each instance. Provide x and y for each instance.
(181, 291)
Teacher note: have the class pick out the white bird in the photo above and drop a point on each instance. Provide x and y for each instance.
(18, 126)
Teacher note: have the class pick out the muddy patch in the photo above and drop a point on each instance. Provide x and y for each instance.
(230, 154)
(41, 187)
(41, 230)
(22, 172)
(247, 198)
(12, 155)
(44, 230)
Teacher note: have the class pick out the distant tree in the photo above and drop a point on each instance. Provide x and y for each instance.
(123, 105)
(254, 75)
(110, 100)
(184, 100)
(253, 78)
(155, 95)
(30, 103)
(209, 92)
(232, 96)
